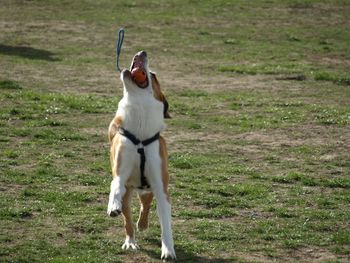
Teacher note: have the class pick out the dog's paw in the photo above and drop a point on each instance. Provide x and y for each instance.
(114, 213)
(114, 209)
(168, 254)
(130, 243)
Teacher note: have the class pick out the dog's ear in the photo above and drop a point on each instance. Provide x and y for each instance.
(159, 95)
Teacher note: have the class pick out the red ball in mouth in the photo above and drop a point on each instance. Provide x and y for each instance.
(138, 75)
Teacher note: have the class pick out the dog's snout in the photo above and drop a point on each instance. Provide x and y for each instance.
(143, 53)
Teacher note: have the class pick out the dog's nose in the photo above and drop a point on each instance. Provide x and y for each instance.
(142, 53)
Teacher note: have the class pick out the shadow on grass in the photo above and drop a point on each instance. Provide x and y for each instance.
(28, 52)
(182, 255)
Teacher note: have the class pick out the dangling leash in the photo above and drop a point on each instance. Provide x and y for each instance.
(119, 45)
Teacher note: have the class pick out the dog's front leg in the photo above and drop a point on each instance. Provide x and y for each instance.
(115, 196)
(121, 172)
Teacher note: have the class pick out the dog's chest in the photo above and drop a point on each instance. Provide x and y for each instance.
(142, 117)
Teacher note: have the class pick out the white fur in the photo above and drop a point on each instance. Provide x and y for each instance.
(130, 243)
(142, 115)
(163, 207)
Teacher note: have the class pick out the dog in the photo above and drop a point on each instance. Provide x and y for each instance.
(138, 155)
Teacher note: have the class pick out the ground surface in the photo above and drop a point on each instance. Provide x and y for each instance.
(259, 141)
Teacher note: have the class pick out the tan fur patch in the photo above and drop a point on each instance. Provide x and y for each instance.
(159, 95)
(113, 127)
(116, 154)
(145, 200)
(127, 213)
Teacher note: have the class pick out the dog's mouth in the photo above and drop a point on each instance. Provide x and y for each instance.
(138, 70)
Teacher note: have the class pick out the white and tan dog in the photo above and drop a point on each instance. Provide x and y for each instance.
(134, 135)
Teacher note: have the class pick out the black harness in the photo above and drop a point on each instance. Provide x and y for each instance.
(141, 151)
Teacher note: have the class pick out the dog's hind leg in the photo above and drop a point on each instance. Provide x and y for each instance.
(129, 229)
(146, 201)
(163, 207)
(164, 213)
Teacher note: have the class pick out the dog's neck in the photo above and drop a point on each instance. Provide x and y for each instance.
(141, 115)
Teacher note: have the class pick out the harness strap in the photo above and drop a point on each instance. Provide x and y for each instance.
(144, 182)
(129, 135)
(141, 151)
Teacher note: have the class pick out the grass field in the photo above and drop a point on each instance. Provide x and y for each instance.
(259, 139)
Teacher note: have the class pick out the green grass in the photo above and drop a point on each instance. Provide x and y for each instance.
(8, 84)
(258, 140)
(336, 78)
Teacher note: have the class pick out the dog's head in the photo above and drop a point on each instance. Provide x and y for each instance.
(149, 86)
(132, 86)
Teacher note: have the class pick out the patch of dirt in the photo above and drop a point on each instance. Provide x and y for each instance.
(214, 83)
(271, 139)
(255, 257)
(338, 61)
(300, 255)
(11, 189)
(309, 134)
(315, 254)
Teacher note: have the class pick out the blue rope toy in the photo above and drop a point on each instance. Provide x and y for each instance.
(119, 45)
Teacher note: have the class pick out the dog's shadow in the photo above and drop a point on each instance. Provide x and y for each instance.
(28, 52)
(181, 254)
